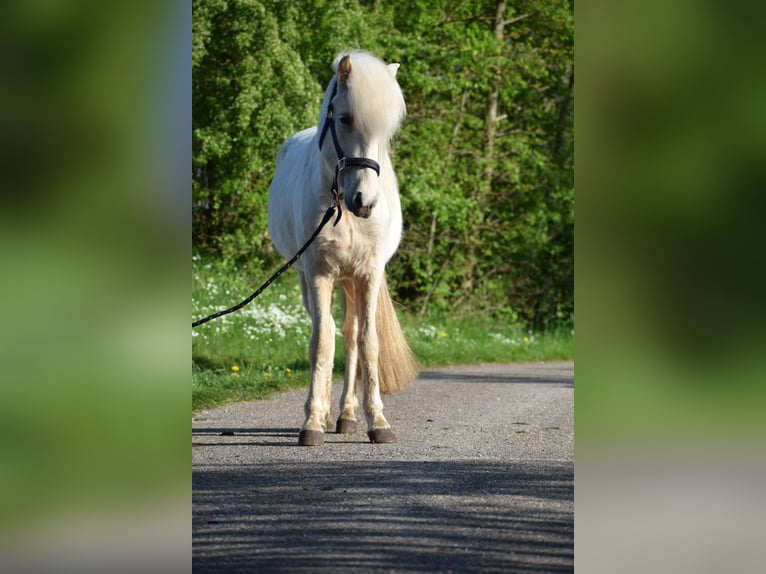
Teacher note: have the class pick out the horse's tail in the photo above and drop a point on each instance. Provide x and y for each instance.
(397, 367)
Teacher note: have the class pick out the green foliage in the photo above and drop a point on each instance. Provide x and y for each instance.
(484, 160)
(250, 88)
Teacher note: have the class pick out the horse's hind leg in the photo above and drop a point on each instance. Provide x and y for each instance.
(321, 352)
(378, 429)
(348, 401)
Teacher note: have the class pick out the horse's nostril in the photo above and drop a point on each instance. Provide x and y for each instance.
(357, 200)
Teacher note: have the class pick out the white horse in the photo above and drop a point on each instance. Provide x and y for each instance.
(362, 109)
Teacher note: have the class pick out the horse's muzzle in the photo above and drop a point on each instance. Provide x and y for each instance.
(358, 208)
(363, 212)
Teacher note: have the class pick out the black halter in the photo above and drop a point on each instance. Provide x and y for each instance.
(343, 161)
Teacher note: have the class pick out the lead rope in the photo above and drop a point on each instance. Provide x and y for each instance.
(327, 217)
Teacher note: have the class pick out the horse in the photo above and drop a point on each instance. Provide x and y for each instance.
(362, 109)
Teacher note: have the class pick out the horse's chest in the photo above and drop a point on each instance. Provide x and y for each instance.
(352, 248)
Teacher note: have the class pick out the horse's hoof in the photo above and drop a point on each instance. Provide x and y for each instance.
(311, 438)
(381, 436)
(345, 426)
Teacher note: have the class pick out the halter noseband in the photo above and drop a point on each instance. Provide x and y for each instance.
(343, 161)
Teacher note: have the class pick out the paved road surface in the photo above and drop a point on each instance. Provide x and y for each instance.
(480, 480)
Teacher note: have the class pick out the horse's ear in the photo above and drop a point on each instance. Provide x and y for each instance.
(344, 69)
(393, 68)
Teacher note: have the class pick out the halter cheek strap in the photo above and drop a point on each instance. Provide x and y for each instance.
(343, 161)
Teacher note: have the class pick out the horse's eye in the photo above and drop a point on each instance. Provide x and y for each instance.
(346, 120)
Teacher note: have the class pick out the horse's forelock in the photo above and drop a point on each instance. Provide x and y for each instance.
(374, 95)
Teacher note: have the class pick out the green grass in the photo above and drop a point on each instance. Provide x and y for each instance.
(262, 348)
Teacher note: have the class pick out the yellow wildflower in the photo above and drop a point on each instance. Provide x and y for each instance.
(234, 368)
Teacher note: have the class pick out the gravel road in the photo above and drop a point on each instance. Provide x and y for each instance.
(480, 480)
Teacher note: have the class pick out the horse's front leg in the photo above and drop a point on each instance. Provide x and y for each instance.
(321, 353)
(378, 429)
(348, 400)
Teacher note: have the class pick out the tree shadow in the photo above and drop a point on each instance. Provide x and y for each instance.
(383, 516)
(563, 379)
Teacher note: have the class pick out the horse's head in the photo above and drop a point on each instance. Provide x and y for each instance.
(367, 108)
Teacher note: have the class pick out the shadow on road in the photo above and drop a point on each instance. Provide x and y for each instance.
(373, 516)
(269, 437)
(462, 377)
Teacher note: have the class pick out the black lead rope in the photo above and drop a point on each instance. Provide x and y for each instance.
(327, 217)
(343, 162)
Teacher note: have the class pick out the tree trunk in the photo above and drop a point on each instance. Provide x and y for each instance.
(561, 124)
(483, 190)
(490, 119)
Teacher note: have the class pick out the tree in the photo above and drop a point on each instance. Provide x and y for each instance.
(487, 159)
(250, 88)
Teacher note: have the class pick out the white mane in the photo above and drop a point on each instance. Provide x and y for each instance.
(374, 94)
